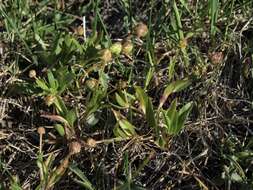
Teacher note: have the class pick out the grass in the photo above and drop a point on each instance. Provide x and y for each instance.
(145, 95)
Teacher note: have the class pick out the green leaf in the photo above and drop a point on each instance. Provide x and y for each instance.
(84, 180)
(71, 117)
(104, 79)
(121, 101)
(147, 108)
(15, 186)
(127, 127)
(150, 116)
(185, 4)
(213, 9)
(42, 84)
(94, 102)
(60, 129)
(142, 97)
(40, 41)
(118, 132)
(173, 87)
(171, 68)
(65, 80)
(60, 106)
(58, 45)
(52, 81)
(149, 76)
(171, 117)
(183, 114)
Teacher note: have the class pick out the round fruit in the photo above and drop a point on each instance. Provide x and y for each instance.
(127, 47)
(141, 30)
(106, 55)
(116, 48)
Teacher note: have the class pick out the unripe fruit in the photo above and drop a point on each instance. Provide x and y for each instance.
(91, 83)
(106, 55)
(32, 74)
(116, 48)
(79, 30)
(183, 43)
(141, 30)
(127, 47)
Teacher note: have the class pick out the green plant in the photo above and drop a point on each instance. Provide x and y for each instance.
(53, 87)
(13, 180)
(213, 15)
(237, 168)
(83, 181)
(174, 119)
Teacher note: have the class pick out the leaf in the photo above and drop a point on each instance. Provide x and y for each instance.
(150, 116)
(60, 129)
(121, 101)
(183, 114)
(104, 79)
(40, 41)
(185, 4)
(213, 9)
(171, 68)
(149, 76)
(71, 117)
(94, 102)
(57, 46)
(52, 81)
(123, 127)
(118, 132)
(142, 97)
(65, 79)
(85, 182)
(147, 108)
(127, 127)
(173, 87)
(42, 84)
(60, 106)
(171, 117)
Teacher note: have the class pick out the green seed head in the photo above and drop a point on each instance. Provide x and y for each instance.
(116, 48)
(127, 47)
(106, 55)
(91, 84)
